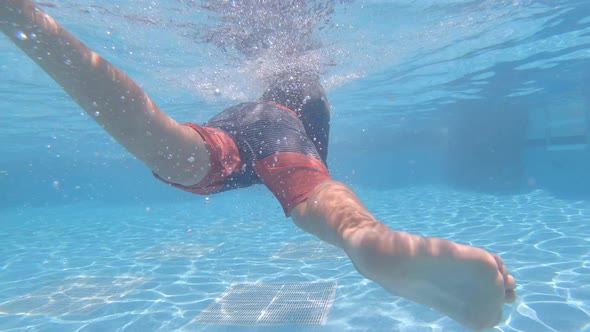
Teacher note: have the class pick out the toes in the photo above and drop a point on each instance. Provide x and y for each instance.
(509, 286)
(500, 263)
(509, 282)
(509, 296)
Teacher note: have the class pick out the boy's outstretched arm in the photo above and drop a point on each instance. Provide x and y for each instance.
(175, 152)
(465, 283)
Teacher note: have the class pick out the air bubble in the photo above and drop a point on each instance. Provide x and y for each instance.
(21, 35)
(97, 113)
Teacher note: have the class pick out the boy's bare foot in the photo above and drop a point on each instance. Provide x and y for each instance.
(467, 284)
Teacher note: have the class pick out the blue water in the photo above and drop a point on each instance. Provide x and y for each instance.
(460, 119)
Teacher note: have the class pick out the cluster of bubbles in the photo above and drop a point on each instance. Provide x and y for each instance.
(268, 38)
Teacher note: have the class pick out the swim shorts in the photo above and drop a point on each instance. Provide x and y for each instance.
(259, 142)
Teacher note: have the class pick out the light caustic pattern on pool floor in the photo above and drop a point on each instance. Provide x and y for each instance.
(148, 272)
(77, 295)
(172, 250)
(309, 250)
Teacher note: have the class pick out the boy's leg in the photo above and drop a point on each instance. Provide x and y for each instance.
(465, 283)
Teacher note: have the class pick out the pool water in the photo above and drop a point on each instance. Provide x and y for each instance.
(463, 120)
(175, 259)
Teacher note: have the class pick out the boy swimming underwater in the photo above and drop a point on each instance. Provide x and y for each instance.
(239, 147)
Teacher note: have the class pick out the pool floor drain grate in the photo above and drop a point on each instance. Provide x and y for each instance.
(306, 303)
